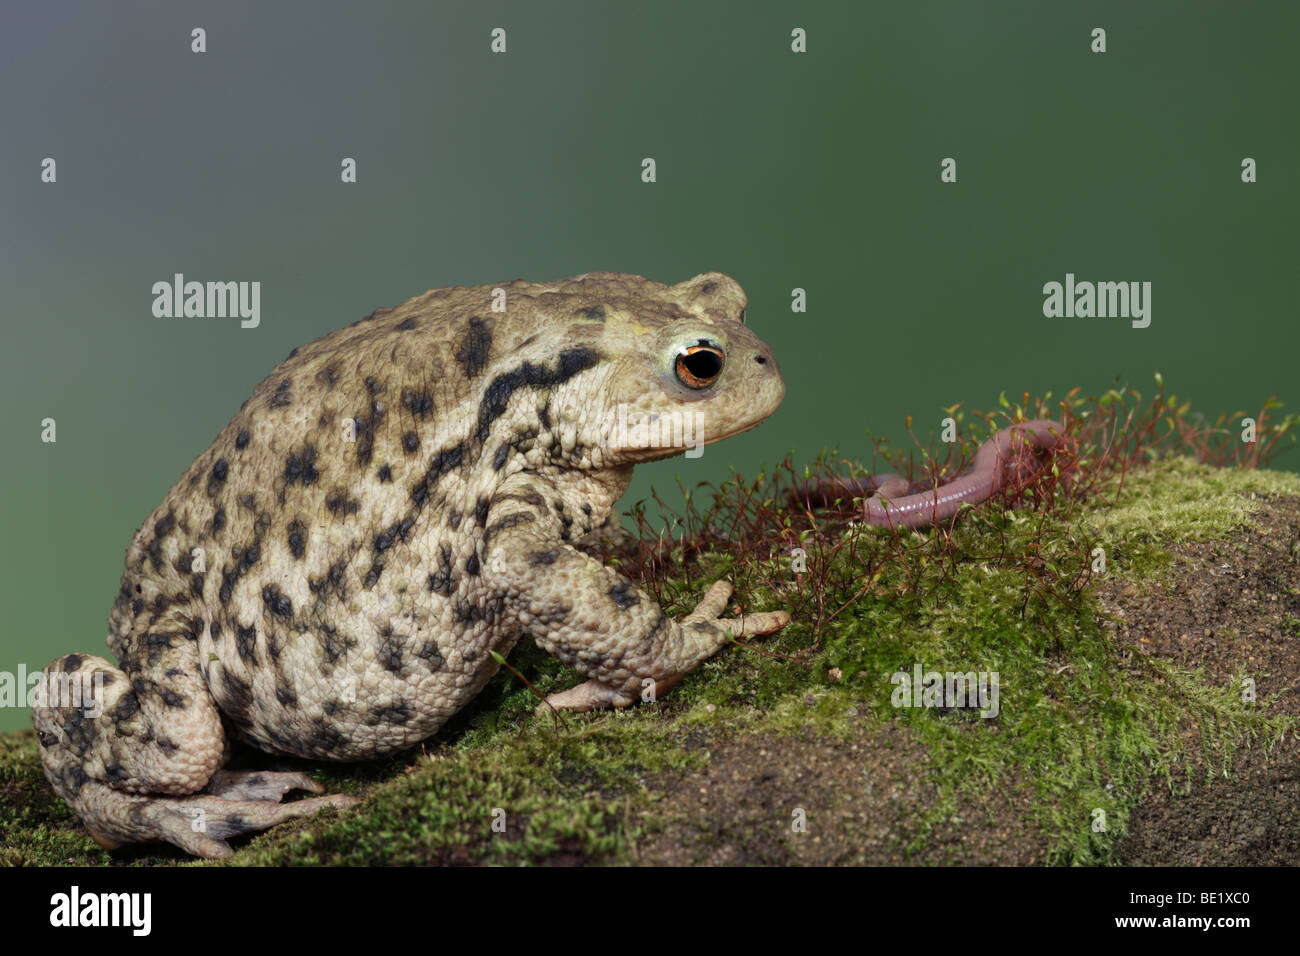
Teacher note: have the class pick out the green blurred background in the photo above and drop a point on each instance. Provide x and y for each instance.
(818, 170)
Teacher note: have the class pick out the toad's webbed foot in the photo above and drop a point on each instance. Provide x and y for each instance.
(233, 804)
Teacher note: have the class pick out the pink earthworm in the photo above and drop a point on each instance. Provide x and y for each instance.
(997, 465)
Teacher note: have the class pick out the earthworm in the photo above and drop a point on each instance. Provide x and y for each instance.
(997, 465)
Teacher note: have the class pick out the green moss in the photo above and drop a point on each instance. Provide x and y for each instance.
(1179, 500)
(1086, 726)
(38, 828)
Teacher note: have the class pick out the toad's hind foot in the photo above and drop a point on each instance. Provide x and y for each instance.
(201, 824)
(258, 785)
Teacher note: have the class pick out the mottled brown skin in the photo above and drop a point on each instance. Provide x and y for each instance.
(350, 590)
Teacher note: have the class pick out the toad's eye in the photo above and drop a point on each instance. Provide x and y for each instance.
(698, 366)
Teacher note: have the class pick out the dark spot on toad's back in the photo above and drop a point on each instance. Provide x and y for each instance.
(472, 353)
(406, 325)
(301, 467)
(246, 643)
(335, 646)
(410, 443)
(339, 503)
(385, 474)
(276, 602)
(297, 538)
(248, 557)
(365, 438)
(156, 554)
(229, 579)
(418, 403)
(329, 375)
(401, 529)
(594, 312)
(241, 440)
(217, 478)
(440, 582)
(281, 397)
(285, 695)
(333, 579)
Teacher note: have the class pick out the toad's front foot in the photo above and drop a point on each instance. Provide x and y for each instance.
(704, 627)
(233, 803)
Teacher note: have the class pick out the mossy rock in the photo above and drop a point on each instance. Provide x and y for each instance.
(1145, 715)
